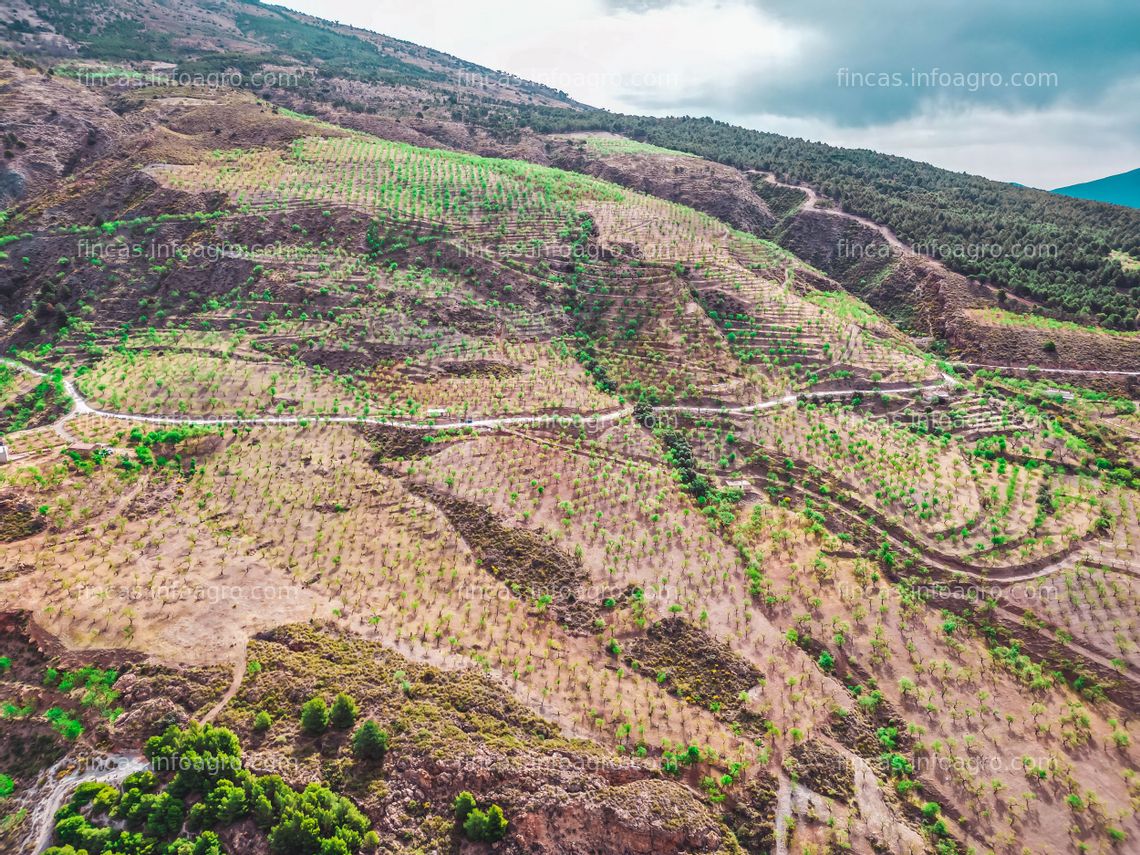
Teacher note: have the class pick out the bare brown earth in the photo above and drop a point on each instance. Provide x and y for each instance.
(718, 190)
(556, 593)
(980, 339)
(451, 731)
(59, 128)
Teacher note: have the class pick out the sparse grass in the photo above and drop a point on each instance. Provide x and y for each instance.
(1127, 262)
(1015, 319)
(620, 145)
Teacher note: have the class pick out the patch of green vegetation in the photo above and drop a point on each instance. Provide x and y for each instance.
(1025, 669)
(369, 742)
(95, 683)
(622, 145)
(198, 785)
(479, 825)
(124, 38)
(64, 724)
(493, 185)
(314, 716)
(145, 445)
(337, 54)
(108, 39)
(717, 504)
(97, 72)
(1128, 263)
(43, 404)
(844, 306)
(1015, 319)
(782, 201)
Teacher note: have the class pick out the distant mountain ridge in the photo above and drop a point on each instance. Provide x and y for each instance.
(1122, 189)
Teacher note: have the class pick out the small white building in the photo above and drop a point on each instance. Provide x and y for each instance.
(3, 453)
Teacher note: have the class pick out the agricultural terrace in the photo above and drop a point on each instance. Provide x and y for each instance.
(653, 257)
(186, 373)
(951, 496)
(756, 551)
(952, 702)
(1090, 601)
(273, 537)
(605, 144)
(377, 175)
(318, 526)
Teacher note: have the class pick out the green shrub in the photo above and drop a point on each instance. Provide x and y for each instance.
(343, 714)
(464, 804)
(369, 742)
(315, 716)
(486, 827)
(64, 725)
(478, 825)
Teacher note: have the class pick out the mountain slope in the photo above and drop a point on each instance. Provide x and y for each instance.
(1122, 189)
(1048, 249)
(1037, 245)
(549, 450)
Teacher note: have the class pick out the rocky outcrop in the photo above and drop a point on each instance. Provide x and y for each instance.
(52, 128)
(845, 249)
(923, 296)
(720, 191)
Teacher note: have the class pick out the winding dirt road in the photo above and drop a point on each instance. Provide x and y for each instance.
(56, 787)
(81, 408)
(813, 204)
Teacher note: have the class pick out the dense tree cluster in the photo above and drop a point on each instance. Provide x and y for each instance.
(479, 825)
(202, 766)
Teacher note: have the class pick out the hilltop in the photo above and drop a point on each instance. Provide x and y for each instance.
(1122, 189)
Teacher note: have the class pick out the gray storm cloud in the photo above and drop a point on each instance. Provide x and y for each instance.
(868, 66)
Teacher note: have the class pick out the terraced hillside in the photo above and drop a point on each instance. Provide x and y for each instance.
(611, 513)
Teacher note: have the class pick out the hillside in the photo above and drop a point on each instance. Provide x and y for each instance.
(1051, 250)
(633, 510)
(1122, 189)
(1055, 252)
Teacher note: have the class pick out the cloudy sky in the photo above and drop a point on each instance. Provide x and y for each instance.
(1045, 93)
